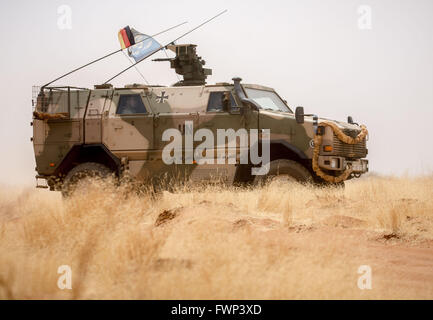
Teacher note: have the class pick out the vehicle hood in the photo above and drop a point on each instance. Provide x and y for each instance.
(309, 119)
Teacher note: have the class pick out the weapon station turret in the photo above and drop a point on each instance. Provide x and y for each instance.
(188, 64)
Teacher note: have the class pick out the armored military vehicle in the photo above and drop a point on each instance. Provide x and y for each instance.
(80, 132)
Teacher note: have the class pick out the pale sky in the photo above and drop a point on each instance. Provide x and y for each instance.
(315, 53)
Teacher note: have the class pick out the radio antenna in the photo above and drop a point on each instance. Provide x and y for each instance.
(110, 54)
(165, 46)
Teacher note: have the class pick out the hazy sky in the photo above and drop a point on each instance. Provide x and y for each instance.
(325, 55)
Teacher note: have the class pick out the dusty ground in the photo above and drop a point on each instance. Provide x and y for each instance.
(281, 241)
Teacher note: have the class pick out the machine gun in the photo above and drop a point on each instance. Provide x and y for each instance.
(188, 64)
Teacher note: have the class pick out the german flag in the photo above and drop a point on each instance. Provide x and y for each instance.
(126, 37)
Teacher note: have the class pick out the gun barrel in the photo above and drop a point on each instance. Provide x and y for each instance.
(163, 59)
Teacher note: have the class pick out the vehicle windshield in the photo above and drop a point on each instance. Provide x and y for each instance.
(267, 100)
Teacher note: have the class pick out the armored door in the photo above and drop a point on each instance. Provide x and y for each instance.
(128, 124)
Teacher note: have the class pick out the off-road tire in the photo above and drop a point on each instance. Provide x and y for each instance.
(84, 170)
(286, 167)
(325, 184)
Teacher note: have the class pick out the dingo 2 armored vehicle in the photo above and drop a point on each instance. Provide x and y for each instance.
(234, 132)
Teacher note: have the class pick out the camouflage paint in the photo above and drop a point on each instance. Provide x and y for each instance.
(137, 138)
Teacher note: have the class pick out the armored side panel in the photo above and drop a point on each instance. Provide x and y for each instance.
(54, 136)
(173, 108)
(93, 116)
(176, 106)
(127, 126)
(285, 130)
(227, 125)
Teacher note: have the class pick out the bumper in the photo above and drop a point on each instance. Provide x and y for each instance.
(340, 163)
(359, 166)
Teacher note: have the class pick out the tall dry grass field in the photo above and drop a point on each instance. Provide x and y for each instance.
(281, 241)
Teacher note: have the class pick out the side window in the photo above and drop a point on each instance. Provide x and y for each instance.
(130, 104)
(217, 100)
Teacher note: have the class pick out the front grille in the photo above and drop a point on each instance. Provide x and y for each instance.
(358, 150)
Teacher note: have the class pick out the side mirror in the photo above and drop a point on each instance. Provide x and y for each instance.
(299, 115)
(350, 119)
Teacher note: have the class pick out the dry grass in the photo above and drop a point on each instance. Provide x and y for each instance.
(281, 241)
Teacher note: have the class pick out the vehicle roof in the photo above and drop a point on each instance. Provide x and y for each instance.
(145, 86)
(220, 84)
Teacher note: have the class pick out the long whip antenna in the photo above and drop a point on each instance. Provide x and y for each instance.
(139, 72)
(164, 46)
(110, 54)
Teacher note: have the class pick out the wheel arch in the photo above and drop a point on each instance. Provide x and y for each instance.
(88, 153)
(281, 149)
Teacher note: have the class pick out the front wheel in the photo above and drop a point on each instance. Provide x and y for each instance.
(285, 170)
(320, 182)
(82, 172)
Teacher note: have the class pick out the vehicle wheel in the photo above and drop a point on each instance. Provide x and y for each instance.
(333, 184)
(285, 170)
(81, 172)
(325, 184)
(341, 185)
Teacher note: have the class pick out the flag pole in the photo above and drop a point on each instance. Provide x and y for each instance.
(108, 55)
(156, 50)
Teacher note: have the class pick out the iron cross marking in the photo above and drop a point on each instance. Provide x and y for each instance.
(160, 99)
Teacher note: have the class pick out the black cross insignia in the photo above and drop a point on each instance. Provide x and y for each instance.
(160, 99)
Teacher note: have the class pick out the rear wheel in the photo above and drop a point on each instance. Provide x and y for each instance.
(285, 170)
(82, 172)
